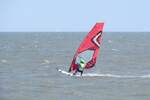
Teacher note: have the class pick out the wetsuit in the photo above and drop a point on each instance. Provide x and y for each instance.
(80, 68)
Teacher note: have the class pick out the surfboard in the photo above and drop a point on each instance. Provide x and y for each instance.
(68, 73)
(78, 75)
(65, 72)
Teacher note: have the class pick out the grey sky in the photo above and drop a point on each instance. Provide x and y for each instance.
(74, 15)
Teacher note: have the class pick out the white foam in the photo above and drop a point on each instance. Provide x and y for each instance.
(104, 75)
(115, 50)
(4, 61)
(114, 76)
(145, 76)
(101, 75)
(45, 61)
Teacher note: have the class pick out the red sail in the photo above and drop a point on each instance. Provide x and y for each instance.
(89, 48)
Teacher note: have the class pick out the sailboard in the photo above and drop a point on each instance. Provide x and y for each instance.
(64, 72)
(89, 48)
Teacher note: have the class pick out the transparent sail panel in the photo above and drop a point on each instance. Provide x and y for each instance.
(86, 55)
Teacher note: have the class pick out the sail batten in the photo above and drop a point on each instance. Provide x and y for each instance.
(89, 48)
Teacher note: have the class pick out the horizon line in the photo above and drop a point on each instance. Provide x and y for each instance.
(72, 31)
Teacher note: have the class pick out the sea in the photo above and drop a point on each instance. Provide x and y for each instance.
(28, 63)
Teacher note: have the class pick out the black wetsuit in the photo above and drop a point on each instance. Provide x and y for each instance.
(78, 70)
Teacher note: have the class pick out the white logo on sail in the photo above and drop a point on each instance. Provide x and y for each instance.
(95, 39)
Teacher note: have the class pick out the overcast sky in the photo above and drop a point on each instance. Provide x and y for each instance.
(74, 15)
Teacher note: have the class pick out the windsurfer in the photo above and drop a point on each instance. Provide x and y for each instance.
(81, 66)
(88, 50)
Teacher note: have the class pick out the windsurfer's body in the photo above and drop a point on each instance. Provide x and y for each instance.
(81, 66)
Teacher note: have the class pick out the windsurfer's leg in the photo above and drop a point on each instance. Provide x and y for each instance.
(69, 70)
(75, 72)
(81, 72)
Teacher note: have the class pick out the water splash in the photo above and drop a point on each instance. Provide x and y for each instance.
(104, 75)
(114, 76)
